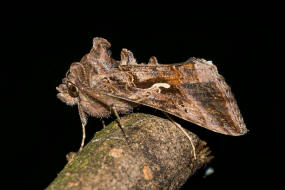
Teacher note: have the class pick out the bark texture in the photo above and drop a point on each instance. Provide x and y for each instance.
(158, 155)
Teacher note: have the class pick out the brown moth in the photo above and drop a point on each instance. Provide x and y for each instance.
(192, 90)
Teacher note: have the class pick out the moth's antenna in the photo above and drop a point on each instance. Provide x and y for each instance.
(183, 130)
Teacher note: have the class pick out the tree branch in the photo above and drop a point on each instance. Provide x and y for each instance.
(158, 156)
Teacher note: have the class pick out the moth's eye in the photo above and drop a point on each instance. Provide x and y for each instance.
(72, 90)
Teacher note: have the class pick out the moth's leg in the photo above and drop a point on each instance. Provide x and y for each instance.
(103, 123)
(83, 119)
(118, 119)
(183, 130)
(70, 156)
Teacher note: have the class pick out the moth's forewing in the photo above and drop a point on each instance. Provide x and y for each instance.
(197, 93)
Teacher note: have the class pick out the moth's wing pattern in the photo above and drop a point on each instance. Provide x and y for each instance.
(193, 91)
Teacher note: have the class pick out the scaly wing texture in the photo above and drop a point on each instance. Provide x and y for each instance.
(193, 91)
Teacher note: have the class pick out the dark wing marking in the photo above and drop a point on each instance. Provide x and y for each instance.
(208, 103)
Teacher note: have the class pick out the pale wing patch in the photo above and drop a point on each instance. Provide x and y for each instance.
(158, 85)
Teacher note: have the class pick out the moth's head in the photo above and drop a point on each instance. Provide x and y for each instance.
(68, 91)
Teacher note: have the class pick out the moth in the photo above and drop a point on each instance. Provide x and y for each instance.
(192, 90)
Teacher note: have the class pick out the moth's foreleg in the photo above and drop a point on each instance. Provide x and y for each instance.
(83, 119)
(70, 156)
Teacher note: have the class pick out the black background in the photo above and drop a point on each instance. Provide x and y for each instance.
(40, 44)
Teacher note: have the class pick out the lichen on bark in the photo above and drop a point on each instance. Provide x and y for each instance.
(157, 155)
